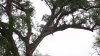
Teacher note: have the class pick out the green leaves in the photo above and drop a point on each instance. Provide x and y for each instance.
(96, 15)
(3, 42)
(46, 18)
(19, 22)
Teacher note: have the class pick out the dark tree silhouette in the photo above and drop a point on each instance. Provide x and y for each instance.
(85, 14)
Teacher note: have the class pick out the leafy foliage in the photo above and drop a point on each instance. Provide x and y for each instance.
(18, 14)
(97, 43)
(84, 14)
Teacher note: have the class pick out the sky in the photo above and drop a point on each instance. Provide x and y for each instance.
(70, 42)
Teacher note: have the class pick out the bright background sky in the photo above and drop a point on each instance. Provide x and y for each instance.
(70, 42)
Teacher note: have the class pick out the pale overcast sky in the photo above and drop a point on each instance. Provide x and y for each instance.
(70, 42)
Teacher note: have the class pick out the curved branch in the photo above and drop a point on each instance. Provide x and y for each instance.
(63, 14)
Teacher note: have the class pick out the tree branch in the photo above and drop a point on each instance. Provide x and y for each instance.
(19, 34)
(20, 5)
(63, 14)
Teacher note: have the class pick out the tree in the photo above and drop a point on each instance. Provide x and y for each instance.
(85, 14)
(97, 43)
(18, 21)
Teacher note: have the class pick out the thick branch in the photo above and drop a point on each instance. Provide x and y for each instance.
(33, 46)
(60, 28)
(65, 26)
